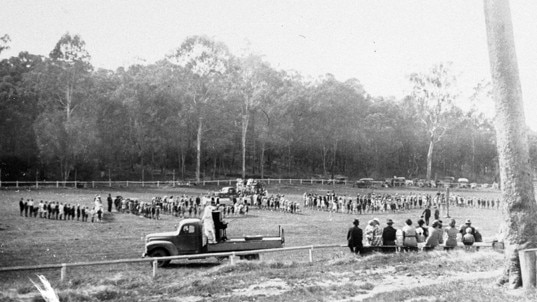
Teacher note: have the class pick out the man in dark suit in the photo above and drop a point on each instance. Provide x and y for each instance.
(355, 237)
(389, 235)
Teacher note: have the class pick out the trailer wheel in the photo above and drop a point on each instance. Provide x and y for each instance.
(251, 257)
(160, 253)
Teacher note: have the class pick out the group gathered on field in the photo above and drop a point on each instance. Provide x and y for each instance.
(60, 211)
(374, 202)
(410, 237)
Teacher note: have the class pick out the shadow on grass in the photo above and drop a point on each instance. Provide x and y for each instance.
(191, 265)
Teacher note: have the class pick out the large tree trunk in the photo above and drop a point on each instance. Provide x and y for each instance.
(430, 159)
(198, 148)
(245, 119)
(262, 160)
(518, 200)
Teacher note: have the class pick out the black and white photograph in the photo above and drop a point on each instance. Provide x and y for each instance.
(256, 150)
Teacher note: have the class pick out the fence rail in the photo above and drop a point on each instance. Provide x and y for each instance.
(172, 183)
(230, 255)
(154, 261)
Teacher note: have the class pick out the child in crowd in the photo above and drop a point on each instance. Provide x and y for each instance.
(468, 239)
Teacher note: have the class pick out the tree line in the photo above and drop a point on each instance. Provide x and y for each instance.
(204, 113)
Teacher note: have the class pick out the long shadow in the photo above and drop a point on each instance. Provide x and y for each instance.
(193, 265)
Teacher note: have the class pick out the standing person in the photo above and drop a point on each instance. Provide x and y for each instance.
(31, 207)
(21, 205)
(78, 212)
(389, 235)
(110, 202)
(435, 237)
(436, 213)
(451, 232)
(26, 207)
(426, 214)
(208, 223)
(355, 237)
(410, 242)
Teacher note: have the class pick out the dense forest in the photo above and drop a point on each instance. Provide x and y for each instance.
(202, 112)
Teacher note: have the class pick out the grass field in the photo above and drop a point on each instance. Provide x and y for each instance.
(334, 275)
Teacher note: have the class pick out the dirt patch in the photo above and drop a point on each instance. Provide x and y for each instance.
(406, 282)
(272, 287)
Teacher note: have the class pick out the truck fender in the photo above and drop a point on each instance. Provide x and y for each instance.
(168, 246)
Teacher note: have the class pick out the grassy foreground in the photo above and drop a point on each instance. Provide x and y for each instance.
(335, 275)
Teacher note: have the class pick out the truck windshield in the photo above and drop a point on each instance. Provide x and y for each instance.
(187, 229)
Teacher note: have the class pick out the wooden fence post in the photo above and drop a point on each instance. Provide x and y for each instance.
(63, 272)
(127, 183)
(155, 265)
(311, 254)
(57, 184)
(527, 265)
(232, 259)
(93, 184)
(158, 183)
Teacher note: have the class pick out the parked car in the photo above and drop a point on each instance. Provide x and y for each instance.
(364, 183)
(447, 182)
(463, 182)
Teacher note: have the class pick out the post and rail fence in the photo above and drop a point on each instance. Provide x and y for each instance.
(36, 184)
(231, 255)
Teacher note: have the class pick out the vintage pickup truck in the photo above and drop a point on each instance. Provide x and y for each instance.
(188, 239)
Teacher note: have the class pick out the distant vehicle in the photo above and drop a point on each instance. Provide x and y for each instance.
(399, 181)
(447, 182)
(340, 179)
(364, 183)
(463, 182)
(227, 192)
(473, 185)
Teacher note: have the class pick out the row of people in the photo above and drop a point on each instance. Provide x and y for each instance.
(411, 238)
(58, 211)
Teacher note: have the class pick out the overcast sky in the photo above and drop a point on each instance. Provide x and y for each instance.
(378, 42)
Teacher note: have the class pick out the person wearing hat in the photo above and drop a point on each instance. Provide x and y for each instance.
(208, 223)
(467, 224)
(389, 235)
(426, 214)
(355, 237)
(435, 237)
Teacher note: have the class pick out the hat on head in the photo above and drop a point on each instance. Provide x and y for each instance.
(389, 221)
(468, 221)
(356, 222)
(376, 220)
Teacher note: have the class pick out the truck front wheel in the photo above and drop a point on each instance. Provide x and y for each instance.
(160, 253)
(251, 257)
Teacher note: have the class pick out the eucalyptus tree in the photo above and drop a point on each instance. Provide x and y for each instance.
(61, 84)
(4, 42)
(18, 110)
(207, 63)
(434, 93)
(519, 208)
(256, 85)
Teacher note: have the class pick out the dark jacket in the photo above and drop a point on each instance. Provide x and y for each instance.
(355, 237)
(389, 235)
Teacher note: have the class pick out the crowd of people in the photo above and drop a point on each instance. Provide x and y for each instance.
(410, 237)
(376, 202)
(60, 211)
